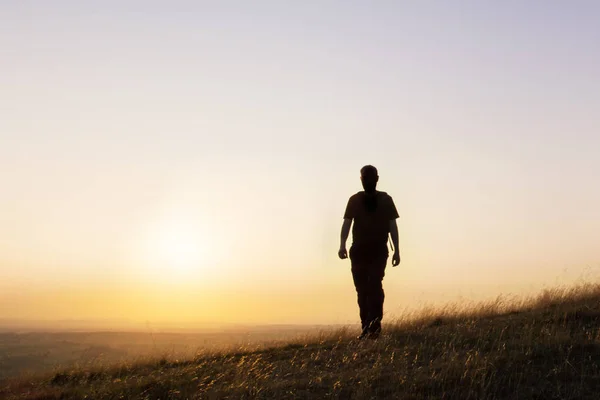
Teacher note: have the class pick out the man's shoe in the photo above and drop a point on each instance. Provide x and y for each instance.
(363, 335)
(373, 335)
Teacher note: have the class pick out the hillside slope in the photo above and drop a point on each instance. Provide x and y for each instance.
(546, 348)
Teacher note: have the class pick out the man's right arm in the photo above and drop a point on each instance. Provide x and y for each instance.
(342, 253)
(348, 217)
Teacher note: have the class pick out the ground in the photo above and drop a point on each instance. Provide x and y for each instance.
(545, 348)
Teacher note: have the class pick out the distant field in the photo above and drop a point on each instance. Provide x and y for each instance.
(543, 348)
(38, 352)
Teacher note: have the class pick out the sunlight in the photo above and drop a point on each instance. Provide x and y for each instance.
(175, 249)
(179, 249)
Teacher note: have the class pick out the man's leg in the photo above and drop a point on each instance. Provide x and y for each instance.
(376, 294)
(360, 278)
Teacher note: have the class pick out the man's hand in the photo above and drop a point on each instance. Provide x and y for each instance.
(342, 253)
(396, 259)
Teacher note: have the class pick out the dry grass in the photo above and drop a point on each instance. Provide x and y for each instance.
(541, 348)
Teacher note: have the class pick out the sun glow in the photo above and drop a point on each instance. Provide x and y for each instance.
(180, 250)
(175, 250)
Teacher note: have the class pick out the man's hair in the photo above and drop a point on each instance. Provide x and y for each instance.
(368, 170)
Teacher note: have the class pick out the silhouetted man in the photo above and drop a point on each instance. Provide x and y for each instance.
(374, 215)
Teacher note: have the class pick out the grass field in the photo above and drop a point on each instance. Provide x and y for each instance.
(27, 352)
(542, 348)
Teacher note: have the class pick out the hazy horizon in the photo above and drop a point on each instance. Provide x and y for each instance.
(191, 162)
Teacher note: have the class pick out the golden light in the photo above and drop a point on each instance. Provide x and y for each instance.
(175, 250)
(179, 249)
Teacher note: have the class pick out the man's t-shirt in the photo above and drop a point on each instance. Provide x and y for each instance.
(372, 214)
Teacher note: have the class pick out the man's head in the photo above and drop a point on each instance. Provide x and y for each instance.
(369, 178)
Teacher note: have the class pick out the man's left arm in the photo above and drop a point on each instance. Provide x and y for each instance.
(393, 228)
(394, 235)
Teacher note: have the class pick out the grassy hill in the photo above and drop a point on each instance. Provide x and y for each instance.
(543, 348)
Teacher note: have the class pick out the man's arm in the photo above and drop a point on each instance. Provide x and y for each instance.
(394, 235)
(342, 253)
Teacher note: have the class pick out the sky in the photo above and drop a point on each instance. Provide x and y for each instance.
(191, 161)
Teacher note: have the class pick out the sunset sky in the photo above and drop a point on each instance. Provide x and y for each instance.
(191, 161)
